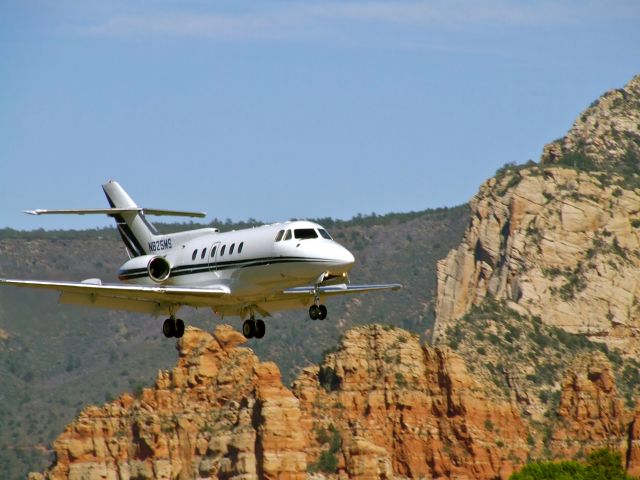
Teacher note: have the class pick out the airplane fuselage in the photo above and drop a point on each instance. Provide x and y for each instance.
(248, 261)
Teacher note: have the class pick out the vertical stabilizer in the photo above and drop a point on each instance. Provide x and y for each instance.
(135, 230)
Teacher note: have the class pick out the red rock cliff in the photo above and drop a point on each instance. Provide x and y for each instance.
(381, 406)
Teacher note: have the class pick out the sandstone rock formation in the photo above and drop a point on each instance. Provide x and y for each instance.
(220, 413)
(550, 264)
(558, 242)
(606, 132)
(409, 409)
(561, 244)
(381, 406)
(590, 414)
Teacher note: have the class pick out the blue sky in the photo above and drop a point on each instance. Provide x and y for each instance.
(275, 110)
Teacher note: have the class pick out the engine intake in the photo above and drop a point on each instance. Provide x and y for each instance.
(159, 269)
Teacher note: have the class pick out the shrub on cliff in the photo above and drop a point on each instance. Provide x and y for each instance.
(601, 465)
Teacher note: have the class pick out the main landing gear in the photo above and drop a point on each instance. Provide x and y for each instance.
(317, 312)
(253, 328)
(173, 327)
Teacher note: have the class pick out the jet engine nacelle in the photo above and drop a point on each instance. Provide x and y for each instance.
(154, 267)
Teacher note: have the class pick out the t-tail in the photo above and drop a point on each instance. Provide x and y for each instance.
(138, 234)
(136, 231)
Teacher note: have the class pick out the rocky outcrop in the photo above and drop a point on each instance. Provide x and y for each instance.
(590, 414)
(382, 405)
(557, 243)
(410, 409)
(608, 132)
(560, 242)
(220, 413)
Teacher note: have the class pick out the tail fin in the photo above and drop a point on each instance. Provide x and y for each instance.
(137, 233)
(135, 230)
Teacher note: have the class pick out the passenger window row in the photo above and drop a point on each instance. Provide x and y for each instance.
(213, 251)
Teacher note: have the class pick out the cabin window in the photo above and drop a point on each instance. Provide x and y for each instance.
(305, 233)
(204, 252)
(222, 250)
(231, 248)
(324, 234)
(287, 236)
(279, 236)
(240, 247)
(195, 252)
(213, 252)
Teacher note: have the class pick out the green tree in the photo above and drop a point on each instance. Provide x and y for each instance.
(601, 464)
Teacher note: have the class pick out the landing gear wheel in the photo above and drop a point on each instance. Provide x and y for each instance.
(249, 328)
(322, 312)
(260, 329)
(169, 328)
(314, 312)
(179, 329)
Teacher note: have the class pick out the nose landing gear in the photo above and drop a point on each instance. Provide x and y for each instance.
(317, 312)
(173, 327)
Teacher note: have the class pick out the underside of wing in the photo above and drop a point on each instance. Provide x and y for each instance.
(341, 289)
(135, 298)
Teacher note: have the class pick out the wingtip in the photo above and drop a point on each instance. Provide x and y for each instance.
(31, 212)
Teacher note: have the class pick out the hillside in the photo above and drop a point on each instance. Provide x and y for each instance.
(547, 280)
(55, 359)
(556, 240)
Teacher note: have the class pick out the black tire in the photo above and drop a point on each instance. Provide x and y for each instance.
(314, 312)
(260, 329)
(249, 328)
(169, 328)
(179, 329)
(322, 312)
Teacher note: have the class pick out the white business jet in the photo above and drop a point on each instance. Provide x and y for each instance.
(245, 272)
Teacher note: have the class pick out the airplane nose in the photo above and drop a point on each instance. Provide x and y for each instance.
(344, 257)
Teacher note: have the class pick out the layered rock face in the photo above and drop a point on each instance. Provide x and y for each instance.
(220, 413)
(379, 407)
(590, 413)
(562, 244)
(558, 242)
(410, 410)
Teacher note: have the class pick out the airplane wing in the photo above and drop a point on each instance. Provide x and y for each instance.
(135, 298)
(342, 289)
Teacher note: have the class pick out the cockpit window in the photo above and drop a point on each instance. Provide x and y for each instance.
(305, 233)
(279, 236)
(324, 234)
(287, 236)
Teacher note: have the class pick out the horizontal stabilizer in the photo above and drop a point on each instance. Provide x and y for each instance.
(115, 211)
